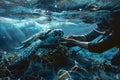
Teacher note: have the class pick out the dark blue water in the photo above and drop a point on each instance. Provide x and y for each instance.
(21, 19)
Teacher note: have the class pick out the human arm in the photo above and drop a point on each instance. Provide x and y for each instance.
(73, 42)
(94, 47)
(104, 45)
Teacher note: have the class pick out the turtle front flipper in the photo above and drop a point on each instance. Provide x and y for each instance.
(35, 37)
(30, 40)
(26, 43)
(20, 47)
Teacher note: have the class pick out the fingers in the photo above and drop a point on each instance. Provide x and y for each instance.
(69, 36)
(63, 39)
(63, 43)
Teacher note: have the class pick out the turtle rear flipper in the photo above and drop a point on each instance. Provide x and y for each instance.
(27, 42)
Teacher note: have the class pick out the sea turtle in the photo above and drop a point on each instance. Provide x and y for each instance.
(46, 37)
(38, 40)
(18, 65)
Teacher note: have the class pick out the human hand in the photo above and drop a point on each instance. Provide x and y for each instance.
(71, 37)
(68, 42)
(76, 37)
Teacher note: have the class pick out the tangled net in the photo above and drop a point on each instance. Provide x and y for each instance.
(60, 63)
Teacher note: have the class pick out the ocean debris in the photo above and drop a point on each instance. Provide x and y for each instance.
(50, 61)
(77, 68)
(3, 52)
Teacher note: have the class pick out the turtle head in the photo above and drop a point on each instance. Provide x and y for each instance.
(55, 35)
